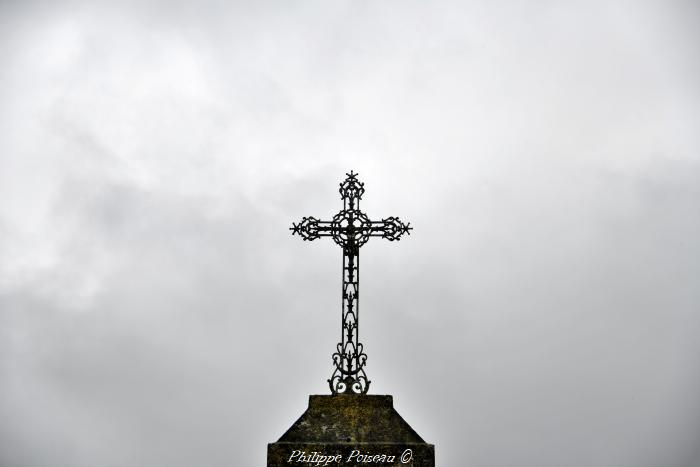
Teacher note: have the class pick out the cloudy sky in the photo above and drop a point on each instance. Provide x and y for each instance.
(156, 312)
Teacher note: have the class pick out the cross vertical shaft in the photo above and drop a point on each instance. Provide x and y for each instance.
(350, 229)
(349, 359)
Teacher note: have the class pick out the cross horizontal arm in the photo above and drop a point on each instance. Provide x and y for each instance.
(390, 228)
(311, 228)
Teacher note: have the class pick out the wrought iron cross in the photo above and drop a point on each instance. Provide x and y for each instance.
(350, 228)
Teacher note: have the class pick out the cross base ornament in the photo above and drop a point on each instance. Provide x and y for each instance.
(350, 229)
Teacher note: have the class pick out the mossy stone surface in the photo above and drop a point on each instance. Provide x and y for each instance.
(344, 424)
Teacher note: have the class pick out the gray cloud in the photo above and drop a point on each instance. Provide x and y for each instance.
(155, 311)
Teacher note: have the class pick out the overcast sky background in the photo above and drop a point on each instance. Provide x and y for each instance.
(156, 312)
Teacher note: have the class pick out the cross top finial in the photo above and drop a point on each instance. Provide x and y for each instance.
(350, 228)
(351, 191)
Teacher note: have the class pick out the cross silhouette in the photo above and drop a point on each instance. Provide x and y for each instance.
(350, 228)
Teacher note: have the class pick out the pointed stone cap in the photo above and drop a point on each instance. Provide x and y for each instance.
(351, 418)
(353, 429)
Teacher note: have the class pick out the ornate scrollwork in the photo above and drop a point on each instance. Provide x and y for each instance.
(307, 228)
(358, 384)
(350, 228)
(351, 188)
(393, 228)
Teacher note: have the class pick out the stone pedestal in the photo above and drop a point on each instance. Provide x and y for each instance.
(350, 430)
